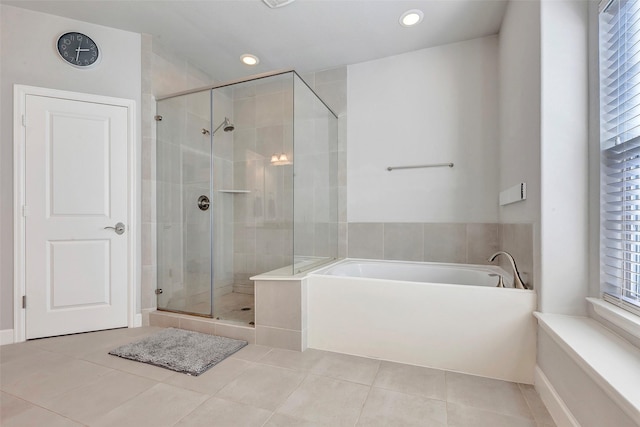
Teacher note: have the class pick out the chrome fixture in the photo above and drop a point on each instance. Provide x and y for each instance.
(433, 165)
(119, 228)
(500, 280)
(517, 280)
(226, 126)
(203, 203)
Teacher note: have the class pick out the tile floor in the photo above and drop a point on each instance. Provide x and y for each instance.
(72, 381)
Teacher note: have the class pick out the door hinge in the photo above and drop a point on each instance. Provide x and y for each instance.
(24, 301)
(25, 211)
(158, 291)
(24, 121)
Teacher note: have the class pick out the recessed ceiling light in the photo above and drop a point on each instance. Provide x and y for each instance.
(249, 59)
(411, 18)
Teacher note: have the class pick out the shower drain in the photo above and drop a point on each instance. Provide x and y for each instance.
(245, 308)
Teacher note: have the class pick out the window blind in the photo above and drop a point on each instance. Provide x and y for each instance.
(620, 152)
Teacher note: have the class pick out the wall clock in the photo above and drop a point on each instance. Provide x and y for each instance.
(78, 49)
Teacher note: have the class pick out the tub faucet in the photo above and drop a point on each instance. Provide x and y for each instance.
(517, 281)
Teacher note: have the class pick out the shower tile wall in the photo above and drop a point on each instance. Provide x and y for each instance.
(148, 170)
(331, 87)
(262, 114)
(194, 155)
(162, 73)
(223, 149)
(315, 171)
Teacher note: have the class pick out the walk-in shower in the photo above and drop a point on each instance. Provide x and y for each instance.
(259, 196)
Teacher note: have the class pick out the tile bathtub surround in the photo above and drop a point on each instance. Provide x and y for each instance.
(257, 386)
(517, 239)
(465, 243)
(281, 313)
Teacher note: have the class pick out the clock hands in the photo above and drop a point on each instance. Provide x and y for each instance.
(78, 50)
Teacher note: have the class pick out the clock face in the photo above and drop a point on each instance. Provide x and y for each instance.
(78, 49)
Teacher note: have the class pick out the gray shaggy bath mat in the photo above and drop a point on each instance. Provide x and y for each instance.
(183, 351)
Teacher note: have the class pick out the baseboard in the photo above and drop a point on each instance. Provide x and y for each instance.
(145, 315)
(554, 403)
(6, 336)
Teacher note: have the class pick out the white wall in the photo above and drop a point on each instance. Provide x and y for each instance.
(519, 65)
(29, 57)
(564, 153)
(519, 123)
(428, 106)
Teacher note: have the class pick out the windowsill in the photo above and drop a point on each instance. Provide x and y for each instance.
(607, 358)
(623, 319)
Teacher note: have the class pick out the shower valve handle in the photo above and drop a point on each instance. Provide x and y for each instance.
(203, 203)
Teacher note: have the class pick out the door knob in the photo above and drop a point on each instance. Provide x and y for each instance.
(119, 228)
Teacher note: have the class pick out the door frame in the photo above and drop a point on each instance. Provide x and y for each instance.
(20, 93)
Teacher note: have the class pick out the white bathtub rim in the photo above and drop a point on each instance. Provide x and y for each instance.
(435, 284)
(483, 267)
(281, 274)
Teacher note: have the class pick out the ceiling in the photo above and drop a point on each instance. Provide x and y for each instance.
(308, 35)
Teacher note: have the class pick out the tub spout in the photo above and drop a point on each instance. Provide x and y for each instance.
(517, 280)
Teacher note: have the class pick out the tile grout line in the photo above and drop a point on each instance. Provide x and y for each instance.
(496, 412)
(368, 393)
(34, 404)
(528, 404)
(533, 413)
(446, 399)
(409, 394)
(306, 375)
(194, 409)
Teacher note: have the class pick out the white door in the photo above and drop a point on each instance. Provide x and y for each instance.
(75, 186)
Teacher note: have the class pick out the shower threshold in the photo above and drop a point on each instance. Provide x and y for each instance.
(206, 325)
(232, 307)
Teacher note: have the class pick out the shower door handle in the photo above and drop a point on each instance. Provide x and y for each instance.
(119, 228)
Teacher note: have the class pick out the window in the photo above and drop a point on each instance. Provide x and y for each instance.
(620, 149)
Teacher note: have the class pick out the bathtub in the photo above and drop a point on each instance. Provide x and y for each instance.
(444, 316)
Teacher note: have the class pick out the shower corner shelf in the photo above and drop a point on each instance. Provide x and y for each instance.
(234, 191)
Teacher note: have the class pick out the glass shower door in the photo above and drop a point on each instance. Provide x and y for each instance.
(183, 174)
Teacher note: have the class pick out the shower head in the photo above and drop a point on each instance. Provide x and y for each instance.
(226, 126)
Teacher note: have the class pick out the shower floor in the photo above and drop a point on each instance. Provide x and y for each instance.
(226, 307)
(229, 307)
